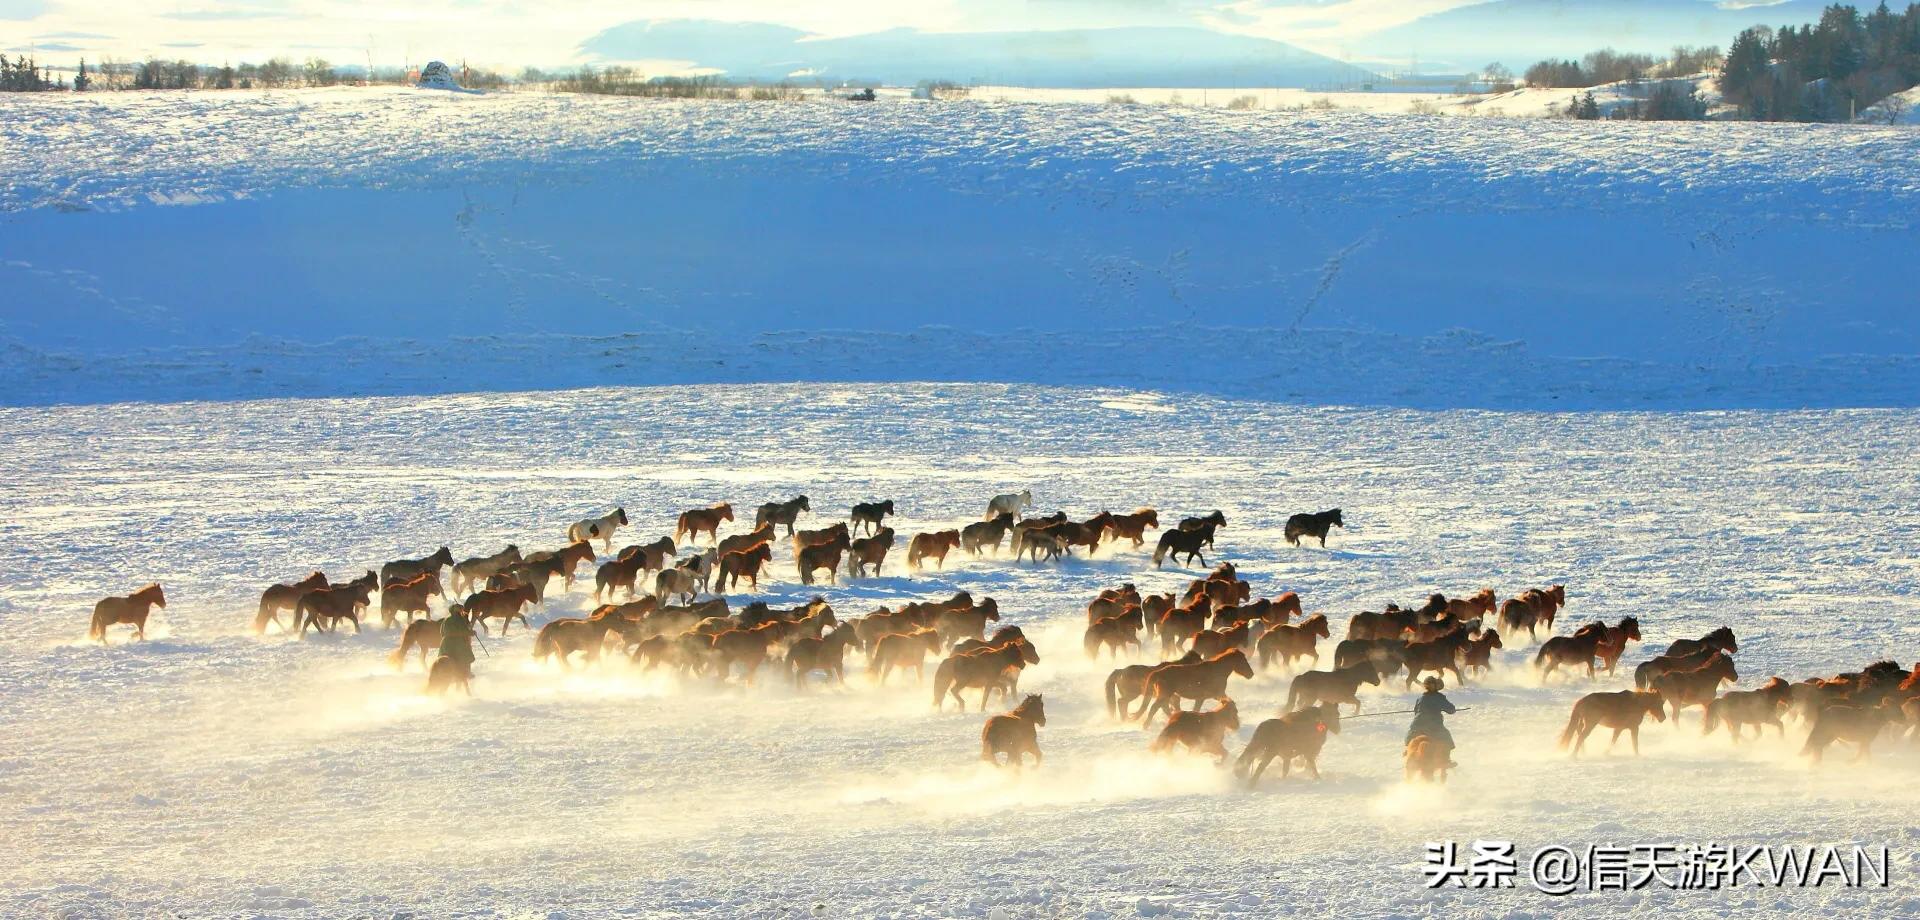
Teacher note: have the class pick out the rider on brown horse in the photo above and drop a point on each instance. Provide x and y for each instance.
(1430, 716)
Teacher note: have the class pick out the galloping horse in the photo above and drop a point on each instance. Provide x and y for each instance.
(777, 513)
(1189, 542)
(602, 527)
(468, 572)
(1133, 526)
(1340, 685)
(402, 570)
(989, 532)
(1207, 679)
(933, 546)
(1621, 711)
(869, 551)
(1297, 734)
(1013, 733)
(987, 669)
(1204, 732)
(131, 610)
(702, 520)
(1290, 642)
(284, 597)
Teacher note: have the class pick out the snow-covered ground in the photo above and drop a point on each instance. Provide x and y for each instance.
(376, 241)
(210, 773)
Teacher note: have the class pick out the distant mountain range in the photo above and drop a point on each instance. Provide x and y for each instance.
(1066, 58)
(1520, 32)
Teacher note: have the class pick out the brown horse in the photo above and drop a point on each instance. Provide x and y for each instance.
(1613, 642)
(1297, 734)
(933, 546)
(476, 570)
(826, 653)
(1721, 638)
(1439, 655)
(1115, 634)
(1340, 685)
(1387, 624)
(619, 572)
(1477, 655)
(1621, 710)
(564, 560)
(1387, 656)
(1133, 526)
(805, 538)
(419, 634)
(869, 515)
(763, 533)
(745, 563)
(1183, 541)
(955, 623)
(401, 570)
(335, 603)
(1481, 604)
(1206, 679)
(692, 524)
(1180, 623)
(1211, 642)
(1112, 602)
(903, 650)
(1760, 708)
(1857, 725)
(1569, 651)
(989, 532)
(869, 551)
(989, 669)
(826, 555)
(408, 597)
(1425, 760)
(1313, 525)
(653, 556)
(131, 610)
(448, 673)
(1645, 673)
(502, 604)
(781, 513)
(1202, 732)
(1014, 733)
(1292, 642)
(567, 635)
(1532, 609)
(283, 597)
(1695, 686)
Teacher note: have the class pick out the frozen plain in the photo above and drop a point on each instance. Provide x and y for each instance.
(208, 772)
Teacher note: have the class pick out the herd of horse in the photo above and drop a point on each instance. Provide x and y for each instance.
(1208, 634)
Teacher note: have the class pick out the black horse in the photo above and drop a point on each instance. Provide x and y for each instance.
(870, 514)
(1313, 525)
(1176, 543)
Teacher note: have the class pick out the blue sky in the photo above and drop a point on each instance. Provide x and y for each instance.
(550, 32)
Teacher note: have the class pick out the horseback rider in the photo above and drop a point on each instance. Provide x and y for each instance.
(456, 637)
(1430, 717)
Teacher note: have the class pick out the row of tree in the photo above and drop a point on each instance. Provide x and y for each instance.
(1826, 71)
(25, 75)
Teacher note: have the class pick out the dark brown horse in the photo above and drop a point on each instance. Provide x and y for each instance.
(1201, 732)
(1186, 542)
(1313, 525)
(284, 597)
(1298, 734)
(405, 569)
(564, 561)
(761, 534)
(827, 654)
(408, 597)
(697, 521)
(987, 533)
(1127, 684)
(1721, 638)
(1738, 709)
(423, 635)
(563, 637)
(869, 552)
(869, 515)
(1340, 685)
(447, 674)
(131, 610)
(653, 556)
(1578, 649)
(903, 650)
(819, 556)
(335, 603)
(1477, 655)
(781, 513)
(1695, 686)
(743, 563)
(618, 572)
(504, 604)
(1014, 733)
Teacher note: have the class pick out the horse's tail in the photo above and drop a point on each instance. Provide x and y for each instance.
(543, 643)
(1092, 643)
(1540, 657)
(1642, 675)
(986, 742)
(97, 628)
(1573, 725)
(1293, 693)
(397, 659)
(1160, 551)
(1113, 695)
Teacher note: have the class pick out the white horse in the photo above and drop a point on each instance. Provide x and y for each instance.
(601, 527)
(1011, 503)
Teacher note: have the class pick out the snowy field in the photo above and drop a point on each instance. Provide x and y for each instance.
(210, 773)
(165, 246)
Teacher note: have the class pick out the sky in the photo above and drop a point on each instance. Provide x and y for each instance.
(512, 33)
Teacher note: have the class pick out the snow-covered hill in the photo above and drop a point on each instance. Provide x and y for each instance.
(371, 241)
